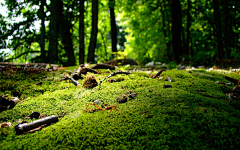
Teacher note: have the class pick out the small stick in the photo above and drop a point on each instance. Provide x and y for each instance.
(20, 128)
(66, 77)
(103, 66)
(113, 74)
(76, 74)
(159, 72)
(235, 81)
(82, 70)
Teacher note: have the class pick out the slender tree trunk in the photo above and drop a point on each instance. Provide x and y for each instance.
(104, 43)
(81, 33)
(218, 28)
(191, 48)
(176, 29)
(236, 25)
(93, 39)
(226, 31)
(113, 26)
(42, 41)
(165, 29)
(188, 28)
(53, 37)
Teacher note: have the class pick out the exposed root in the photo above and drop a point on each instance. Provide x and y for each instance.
(111, 107)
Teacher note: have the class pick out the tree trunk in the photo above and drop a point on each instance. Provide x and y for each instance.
(113, 26)
(53, 37)
(81, 33)
(93, 39)
(165, 28)
(104, 45)
(67, 42)
(65, 34)
(218, 28)
(42, 41)
(188, 28)
(226, 29)
(176, 29)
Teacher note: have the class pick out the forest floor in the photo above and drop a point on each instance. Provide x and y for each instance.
(200, 110)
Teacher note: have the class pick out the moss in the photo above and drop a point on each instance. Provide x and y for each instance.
(194, 114)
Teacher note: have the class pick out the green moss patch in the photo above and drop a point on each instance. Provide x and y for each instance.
(194, 113)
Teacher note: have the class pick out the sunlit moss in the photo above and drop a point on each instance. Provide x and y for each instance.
(195, 113)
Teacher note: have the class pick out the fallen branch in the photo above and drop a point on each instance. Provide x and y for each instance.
(103, 66)
(113, 74)
(117, 62)
(76, 74)
(235, 81)
(66, 77)
(8, 104)
(29, 64)
(159, 72)
(82, 70)
(26, 127)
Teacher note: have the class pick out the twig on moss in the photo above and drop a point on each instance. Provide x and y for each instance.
(103, 66)
(66, 77)
(35, 125)
(235, 81)
(82, 70)
(113, 74)
(159, 72)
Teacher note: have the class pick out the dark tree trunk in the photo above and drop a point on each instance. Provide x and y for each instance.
(42, 41)
(67, 42)
(65, 34)
(218, 28)
(93, 39)
(226, 29)
(236, 22)
(191, 48)
(176, 29)
(188, 28)
(165, 29)
(53, 37)
(81, 33)
(113, 26)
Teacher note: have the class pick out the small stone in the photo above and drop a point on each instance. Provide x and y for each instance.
(167, 86)
(34, 115)
(123, 100)
(97, 102)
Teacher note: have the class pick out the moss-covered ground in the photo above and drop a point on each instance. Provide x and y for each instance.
(194, 114)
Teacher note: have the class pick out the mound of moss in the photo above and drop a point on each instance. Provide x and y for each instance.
(193, 113)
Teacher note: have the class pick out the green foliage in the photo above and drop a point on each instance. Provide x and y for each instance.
(144, 30)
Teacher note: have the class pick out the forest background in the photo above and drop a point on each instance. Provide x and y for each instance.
(78, 31)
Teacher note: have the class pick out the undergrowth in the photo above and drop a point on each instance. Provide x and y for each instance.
(194, 114)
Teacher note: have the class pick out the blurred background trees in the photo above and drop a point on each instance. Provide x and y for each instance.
(72, 32)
